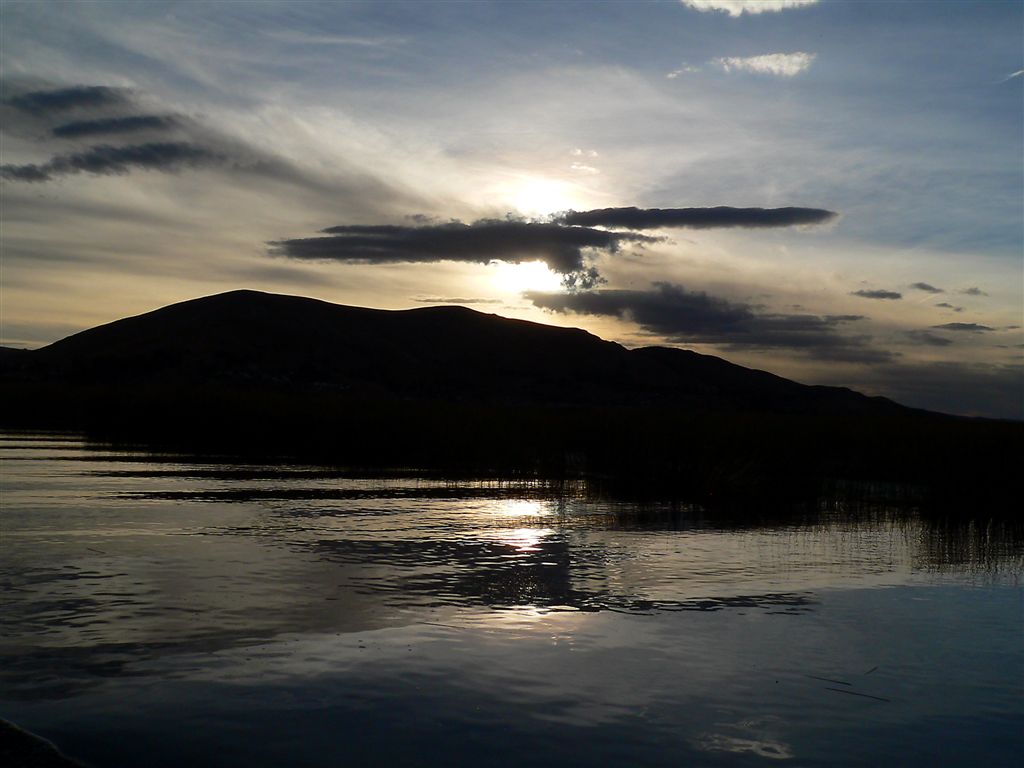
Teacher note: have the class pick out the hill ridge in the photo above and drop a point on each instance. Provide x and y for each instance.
(289, 337)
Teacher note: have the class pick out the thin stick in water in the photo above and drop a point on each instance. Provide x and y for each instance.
(828, 680)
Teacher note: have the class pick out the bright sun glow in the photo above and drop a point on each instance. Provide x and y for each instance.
(528, 276)
(534, 196)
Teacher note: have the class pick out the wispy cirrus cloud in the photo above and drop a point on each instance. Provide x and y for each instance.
(777, 64)
(685, 69)
(305, 38)
(926, 287)
(736, 8)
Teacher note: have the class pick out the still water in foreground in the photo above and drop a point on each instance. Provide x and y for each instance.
(165, 613)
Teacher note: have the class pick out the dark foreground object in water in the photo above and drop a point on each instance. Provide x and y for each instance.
(21, 749)
(459, 391)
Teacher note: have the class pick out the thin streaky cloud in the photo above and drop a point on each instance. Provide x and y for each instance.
(926, 287)
(683, 70)
(777, 64)
(878, 294)
(455, 300)
(965, 327)
(303, 38)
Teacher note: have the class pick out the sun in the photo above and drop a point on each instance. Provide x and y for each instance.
(525, 276)
(536, 196)
(532, 196)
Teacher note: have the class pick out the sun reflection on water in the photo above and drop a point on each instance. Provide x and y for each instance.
(520, 508)
(524, 539)
(339, 606)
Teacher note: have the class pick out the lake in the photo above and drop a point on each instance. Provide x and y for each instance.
(166, 611)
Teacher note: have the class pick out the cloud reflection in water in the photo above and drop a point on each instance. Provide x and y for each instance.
(300, 601)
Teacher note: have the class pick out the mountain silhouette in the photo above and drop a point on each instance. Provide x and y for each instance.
(448, 386)
(452, 353)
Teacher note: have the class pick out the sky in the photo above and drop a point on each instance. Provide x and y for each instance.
(831, 191)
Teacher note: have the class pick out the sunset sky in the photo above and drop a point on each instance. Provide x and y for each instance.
(398, 155)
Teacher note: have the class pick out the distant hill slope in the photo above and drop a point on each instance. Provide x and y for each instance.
(459, 390)
(448, 353)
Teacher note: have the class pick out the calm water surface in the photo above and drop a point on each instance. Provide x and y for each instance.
(163, 613)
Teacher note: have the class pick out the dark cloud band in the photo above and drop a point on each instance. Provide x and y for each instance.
(64, 99)
(560, 247)
(927, 338)
(105, 160)
(696, 218)
(878, 294)
(114, 125)
(86, 111)
(965, 327)
(687, 316)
